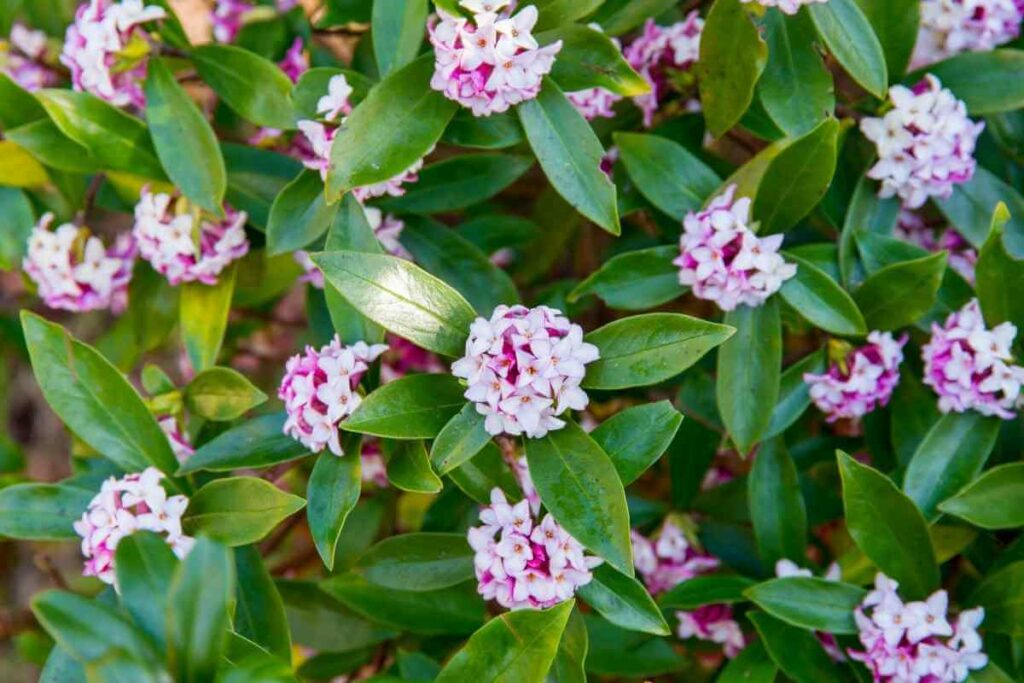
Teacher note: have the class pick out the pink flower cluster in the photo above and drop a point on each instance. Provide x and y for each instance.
(107, 50)
(971, 367)
(74, 272)
(491, 62)
(860, 382)
(180, 444)
(786, 6)
(595, 102)
(925, 143)
(671, 559)
(24, 59)
(724, 261)
(524, 367)
(166, 231)
(386, 228)
(963, 258)
(914, 642)
(319, 391)
(659, 51)
(229, 16)
(136, 502)
(520, 564)
(949, 27)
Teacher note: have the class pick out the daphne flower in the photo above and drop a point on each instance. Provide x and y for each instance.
(949, 27)
(713, 623)
(180, 444)
(670, 559)
(24, 58)
(962, 256)
(658, 52)
(786, 6)
(336, 102)
(863, 380)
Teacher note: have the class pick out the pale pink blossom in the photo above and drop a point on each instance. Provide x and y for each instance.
(963, 258)
(669, 559)
(715, 624)
(861, 381)
(595, 103)
(180, 444)
(25, 58)
(949, 27)
(659, 52)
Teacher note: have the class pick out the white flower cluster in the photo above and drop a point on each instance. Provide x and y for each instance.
(786, 6)
(724, 261)
(524, 367)
(925, 143)
(949, 27)
(74, 271)
(136, 502)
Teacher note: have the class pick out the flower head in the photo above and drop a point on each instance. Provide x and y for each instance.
(949, 27)
(228, 17)
(863, 380)
(25, 59)
(669, 559)
(659, 51)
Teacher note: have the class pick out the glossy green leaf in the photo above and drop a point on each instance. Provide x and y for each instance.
(221, 394)
(333, 491)
(413, 407)
(497, 131)
(848, 35)
(998, 275)
(666, 173)
(299, 215)
(811, 603)
(623, 601)
(619, 16)
(626, 654)
(970, 209)
(988, 82)
(793, 395)
(88, 629)
(418, 562)
(255, 178)
(459, 182)
(409, 467)
(42, 512)
(635, 438)
(777, 506)
(751, 665)
(17, 219)
(555, 13)
(259, 442)
(706, 590)
(821, 301)
(238, 510)
(61, 667)
(578, 484)
(250, 84)
(895, 23)
(570, 154)
(646, 349)
(462, 438)
(487, 470)
(45, 141)
(899, 294)
(17, 106)
(867, 213)
(992, 501)
(635, 280)
(204, 318)
(1002, 596)
(397, 27)
(589, 59)
(145, 567)
(259, 611)
(568, 666)
(796, 651)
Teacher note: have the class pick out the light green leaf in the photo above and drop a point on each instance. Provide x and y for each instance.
(821, 301)
(238, 510)
(462, 438)
(589, 59)
(635, 438)
(250, 84)
(333, 491)
(623, 601)
(42, 512)
(992, 501)
(899, 294)
(811, 603)
(204, 318)
(221, 394)
(666, 173)
(413, 407)
(397, 27)
(299, 215)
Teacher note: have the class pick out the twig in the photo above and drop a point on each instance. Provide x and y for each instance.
(45, 564)
(90, 198)
(281, 533)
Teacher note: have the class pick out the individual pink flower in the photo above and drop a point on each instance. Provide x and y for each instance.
(971, 367)
(595, 103)
(962, 256)
(658, 52)
(492, 61)
(722, 259)
(372, 467)
(180, 444)
(227, 18)
(107, 49)
(136, 502)
(73, 271)
(167, 235)
(524, 367)
(925, 143)
(786, 6)
(25, 59)
(949, 27)
(915, 641)
(521, 564)
(319, 391)
(861, 381)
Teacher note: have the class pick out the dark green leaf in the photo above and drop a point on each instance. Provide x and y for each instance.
(970, 209)
(41, 512)
(706, 590)
(992, 501)
(848, 35)
(821, 301)
(635, 280)
(397, 32)
(17, 220)
(623, 601)
(635, 438)
(409, 467)
(87, 629)
(250, 84)
(17, 106)
(572, 653)
(413, 407)
(459, 182)
(462, 438)
(619, 16)
(259, 611)
(793, 395)
(145, 566)
(811, 603)
(796, 651)
(666, 173)
(1002, 596)
(496, 131)
(300, 214)
(238, 510)
(555, 13)
(418, 562)
(332, 492)
(895, 23)
(899, 294)
(589, 59)
(988, 82)
(256, 443)
(867, 213)
(998, 275)
(776, 505)
(255, 178)
(751, 665)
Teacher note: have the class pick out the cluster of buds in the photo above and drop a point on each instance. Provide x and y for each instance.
(724, 261)
(386, 228)
(914, 641)
(671, 559)
(786, 6)
(963, 258)
(925, 143)
(949, 27)
(180, 444)
(971, 367)
(25, 59)
(491, 62)
(660, 52)
(319, 391)
(75, 272)
(595, 103)
(185, 244)
(858, 380)
(524, 367)
(136, 502)
(107, 50)
(520, 564)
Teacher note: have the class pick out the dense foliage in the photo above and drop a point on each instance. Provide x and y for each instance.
(543, 341)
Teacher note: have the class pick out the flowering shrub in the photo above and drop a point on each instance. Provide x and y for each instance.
(536, 341)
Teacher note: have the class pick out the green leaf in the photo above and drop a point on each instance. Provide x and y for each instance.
(555, 13)
(17, 106)
(413, 407)
(635, 438)
(626, 654)
(516, 646)
(455, 610)
(199, 614)
(796, 651)
(867, 212)
(94, 400)
(619, 16)
(998, 274)
(570, 154)
(572, 652)
(259, 610)
(332, 492)
(992, 501)
(706, 590)
(402, 298)
(458, 183)
(589, 59)
(444, 253)
(821, 301)
(462, 438)
(41, 512)
(895, 23)
(238, 510)
(635, 280)
(408, 467)
(797, 179)
(579, 486)
(1002, 596)
(397, 124)
(418, 562)
(666, 173)
(184, 141)
(888, 528)
(848, 35)
(732, 57)
(300, 214)
(623, 601)
(776, 505)
(221, 394)
(497, 131)
(88, 629)
(749, 370)
(970, 209)
(145, 565)
(751, 665)
(255, 178)
(45, 141)
(250, 84)
(487, 470)
(899, 294)
(811, 603)
(397, 32)
(646, 349)
(796, 89)
(259, 442)
(204, 318)
(61, 667)
(950, 457)
(17, 219)
(793, 395)
(990, 674)
(988, 82)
